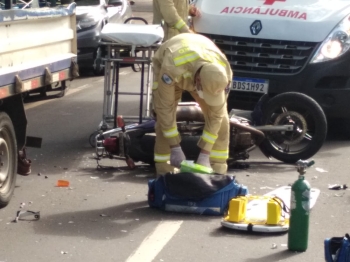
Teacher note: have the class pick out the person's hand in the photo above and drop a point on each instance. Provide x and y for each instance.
(203, 159)
(176, 156)
(194, 11)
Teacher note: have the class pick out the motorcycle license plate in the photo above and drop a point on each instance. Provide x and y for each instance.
(250, 85)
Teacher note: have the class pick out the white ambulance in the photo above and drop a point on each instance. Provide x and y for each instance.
(277, 46)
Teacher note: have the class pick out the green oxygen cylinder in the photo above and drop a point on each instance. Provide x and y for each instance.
(298, 233)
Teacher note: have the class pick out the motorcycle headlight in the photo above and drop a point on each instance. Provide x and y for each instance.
(336, 44)
(88, 21)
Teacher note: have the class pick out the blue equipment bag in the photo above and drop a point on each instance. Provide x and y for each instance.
(337, 249)
(193, 193)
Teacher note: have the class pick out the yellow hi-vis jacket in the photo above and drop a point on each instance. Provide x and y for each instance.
(174, 13)
(174, 65)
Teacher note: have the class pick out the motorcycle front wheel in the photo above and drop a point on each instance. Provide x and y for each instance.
(308, 120)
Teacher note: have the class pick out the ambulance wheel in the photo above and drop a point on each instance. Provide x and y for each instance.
(8, 159)
(309, 127)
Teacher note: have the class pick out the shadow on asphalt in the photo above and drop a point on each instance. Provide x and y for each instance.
(263, 165)
(108, 223)
(38, 97)
(337, 132)
(279, 256)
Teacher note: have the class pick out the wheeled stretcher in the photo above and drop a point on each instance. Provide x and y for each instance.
(140, 39)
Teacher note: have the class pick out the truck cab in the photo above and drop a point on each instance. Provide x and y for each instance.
(277, 46)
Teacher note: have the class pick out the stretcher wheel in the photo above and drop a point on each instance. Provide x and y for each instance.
(92, 138)
(136, 67)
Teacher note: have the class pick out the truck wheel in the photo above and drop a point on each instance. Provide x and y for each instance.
(8, 159)
(310, 127)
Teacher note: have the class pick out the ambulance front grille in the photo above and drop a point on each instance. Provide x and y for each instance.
(264, 55)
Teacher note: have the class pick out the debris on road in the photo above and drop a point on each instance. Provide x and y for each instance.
(24, 213)
(337, 187)
(321, 170)
(62, 183)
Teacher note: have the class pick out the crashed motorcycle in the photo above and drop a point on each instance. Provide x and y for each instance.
(287, 127)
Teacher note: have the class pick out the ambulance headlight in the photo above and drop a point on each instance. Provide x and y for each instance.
(336, 44)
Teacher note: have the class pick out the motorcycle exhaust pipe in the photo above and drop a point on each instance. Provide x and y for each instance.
(260, 136)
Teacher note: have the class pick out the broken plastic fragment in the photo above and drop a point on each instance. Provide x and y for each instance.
(274, 246)
(24, 213)
(62, 183)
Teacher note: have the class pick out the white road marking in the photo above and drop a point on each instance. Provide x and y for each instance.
(154, 243)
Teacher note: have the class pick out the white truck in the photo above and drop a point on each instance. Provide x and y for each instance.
(278, 46)
(38, 49)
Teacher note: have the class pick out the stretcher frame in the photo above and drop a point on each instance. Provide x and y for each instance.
(117, 41)
(113, 60)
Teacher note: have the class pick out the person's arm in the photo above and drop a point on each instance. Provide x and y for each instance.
(171, 16)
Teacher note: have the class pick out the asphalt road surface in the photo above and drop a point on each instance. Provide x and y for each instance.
(104, 216)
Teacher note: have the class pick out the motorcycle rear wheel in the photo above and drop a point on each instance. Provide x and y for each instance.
(310, 127)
